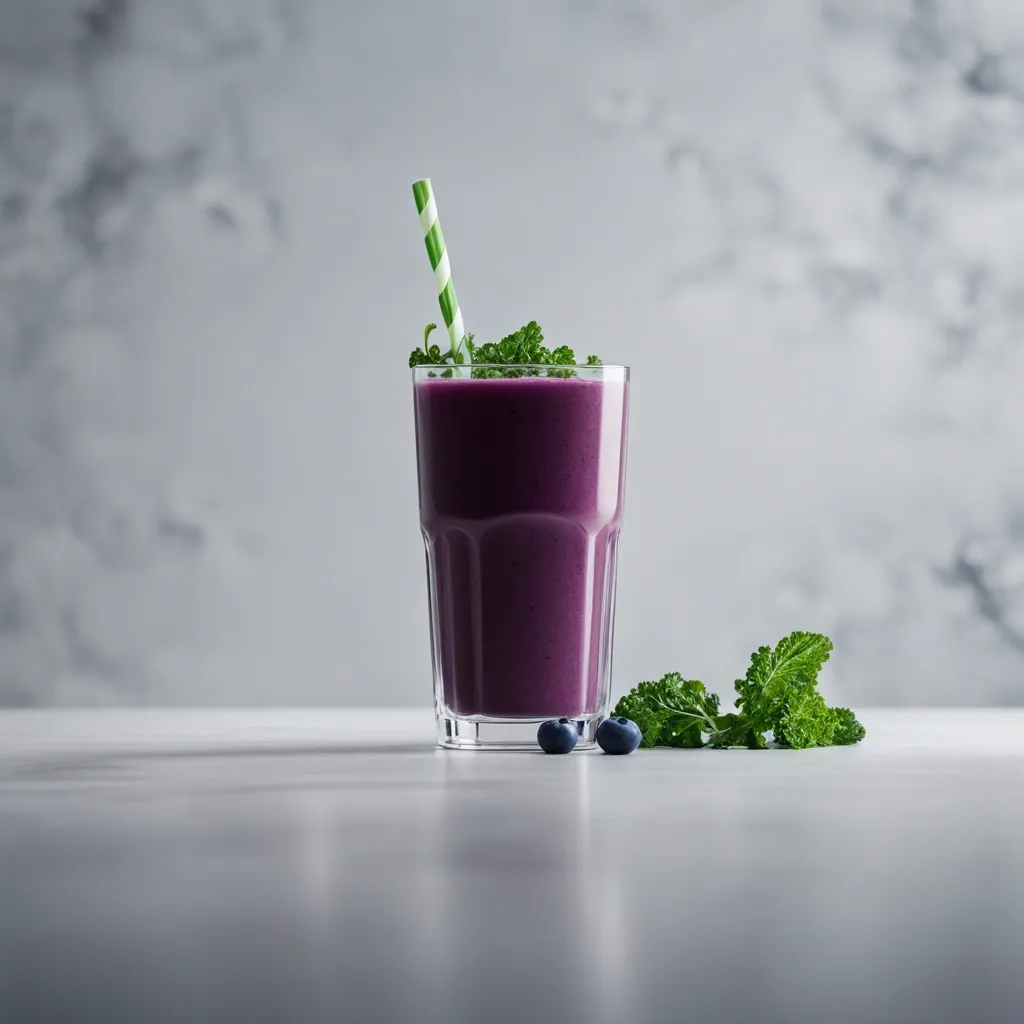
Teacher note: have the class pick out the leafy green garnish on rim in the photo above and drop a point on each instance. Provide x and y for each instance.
(520, 354)
(778, 694)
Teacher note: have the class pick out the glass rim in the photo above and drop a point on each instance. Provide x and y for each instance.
(518, 366)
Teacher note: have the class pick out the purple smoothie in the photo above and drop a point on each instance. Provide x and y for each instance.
(521, 489)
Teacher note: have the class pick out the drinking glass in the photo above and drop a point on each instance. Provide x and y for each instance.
(521, 484)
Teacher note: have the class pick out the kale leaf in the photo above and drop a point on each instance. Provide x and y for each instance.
(519, 354)
(847, 729)
(671, 711)
(806, 722)
(777, 676)
(778, 694)
(428, 355)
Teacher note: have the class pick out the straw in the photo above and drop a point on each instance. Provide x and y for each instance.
(427, 209)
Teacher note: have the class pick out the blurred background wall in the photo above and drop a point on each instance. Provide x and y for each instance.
(801, 223)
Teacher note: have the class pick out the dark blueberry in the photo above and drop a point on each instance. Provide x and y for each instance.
(618, 736)
(558, 736)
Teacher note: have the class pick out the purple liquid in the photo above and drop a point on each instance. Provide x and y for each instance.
(521, 488)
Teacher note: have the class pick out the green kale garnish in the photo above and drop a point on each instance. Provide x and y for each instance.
(671, 712)
(520, 354)
(428, 355)
(807, 721)
(778, 695)
(776, 677)
(522, 346)
(734, 730)
(678, 712)
(847, 729)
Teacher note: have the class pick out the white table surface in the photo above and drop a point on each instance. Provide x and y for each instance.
(334, 865)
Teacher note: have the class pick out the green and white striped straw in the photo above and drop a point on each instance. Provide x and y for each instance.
(427, 209)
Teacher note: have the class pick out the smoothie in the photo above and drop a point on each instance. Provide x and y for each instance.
(521, 492)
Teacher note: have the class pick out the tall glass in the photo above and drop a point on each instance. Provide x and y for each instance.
(521, 486)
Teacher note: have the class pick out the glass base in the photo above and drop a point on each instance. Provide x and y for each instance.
(457, 733)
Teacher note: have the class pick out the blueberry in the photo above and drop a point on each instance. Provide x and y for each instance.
(558, 736)
(618, 736)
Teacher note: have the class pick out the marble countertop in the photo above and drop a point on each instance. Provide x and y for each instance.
(330, 865)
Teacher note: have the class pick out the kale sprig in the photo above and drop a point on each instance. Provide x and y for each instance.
(519, 354)
(671, 711)
(778, 694)
(431, 355)
(779, 678)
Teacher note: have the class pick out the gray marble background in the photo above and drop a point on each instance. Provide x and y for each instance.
(802, 225)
